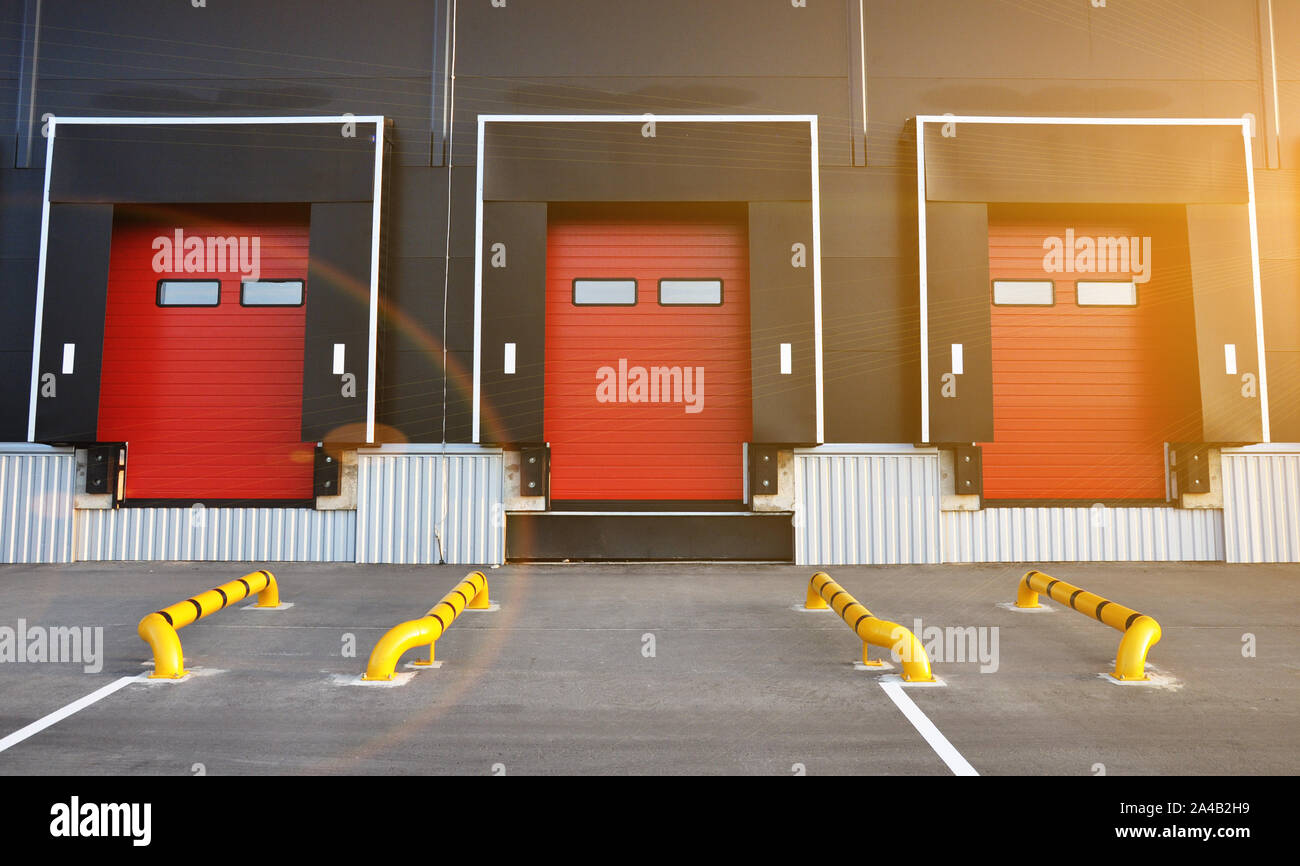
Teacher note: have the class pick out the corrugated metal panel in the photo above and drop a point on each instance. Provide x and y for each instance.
(870, 509)
(431, 507)
(1261, 504)
(36, 497)
(1158, 534)
(217, 534)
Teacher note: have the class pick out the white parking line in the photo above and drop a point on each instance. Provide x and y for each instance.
(944, 749)
(60, 714)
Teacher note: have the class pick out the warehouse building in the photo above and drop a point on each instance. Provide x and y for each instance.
(836, 281)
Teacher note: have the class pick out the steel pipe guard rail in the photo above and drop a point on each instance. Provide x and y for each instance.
(1141, 632)
(472, 592)
(824, 592)
(159, 628)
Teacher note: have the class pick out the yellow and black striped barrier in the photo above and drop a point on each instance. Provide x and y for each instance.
(472, 592)
(824, 592)
(1141, 632)
(158, 629)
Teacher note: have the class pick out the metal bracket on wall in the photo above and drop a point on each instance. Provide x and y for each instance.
(968, 462)
(764, 477)
(102, 463)
(534, 469)
(325, 472)
(1191, 465)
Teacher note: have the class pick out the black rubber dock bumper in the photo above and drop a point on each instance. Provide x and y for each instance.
(541, 536)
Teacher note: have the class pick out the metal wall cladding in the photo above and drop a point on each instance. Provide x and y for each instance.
(1261, 506)
(430, 507)
(217, 534)
(36, 504)
(1097, 534)
(867, 508)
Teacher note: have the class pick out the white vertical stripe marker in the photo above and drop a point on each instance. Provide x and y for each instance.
(923, 278)
(510, 359)
(818, 376)
(958, 359)
(372, 350)
(69, 357)
(944, 749)
(786, 363)
(1261, 354)
(40, 283)
(477, 411)
(60, 714)
(339, 349)
(1230, 358)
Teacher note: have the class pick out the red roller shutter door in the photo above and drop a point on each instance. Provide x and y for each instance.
(624, 450)
(208, 399)
(1085, 397)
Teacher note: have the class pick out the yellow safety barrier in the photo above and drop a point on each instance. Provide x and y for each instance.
(824, 592)
(472, 592)
(158, 629)
(1141, 632)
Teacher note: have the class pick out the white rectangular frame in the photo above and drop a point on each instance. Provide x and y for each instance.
(1243, 122)
(810, 119)
(376, 119)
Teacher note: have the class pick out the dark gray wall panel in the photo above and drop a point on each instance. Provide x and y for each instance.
(1223, 295)
(411, 325)
(1059, 163)
(958, 312)
(868, 213)
(402, 100)
(76, 276)
(1284, 395)
(249, 163)
(147, 39)
(871, 339)
(417, 213)
(684, 37)
(411, 395)
(1286, 41)
(1060, 38)
(460, 396)
(338, 311)
(615, 162)
(20, 213)
(514, 311)
(781, 310)
(460, 305)
(896, 100)
(1277, 204)
(17, 63)
(463, 188)
(758, 93)
(15, 388)
(20, 225)
(412, 307)
(1281, 289)
(18, 295)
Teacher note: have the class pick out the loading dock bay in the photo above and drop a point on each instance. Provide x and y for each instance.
(656, 669)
